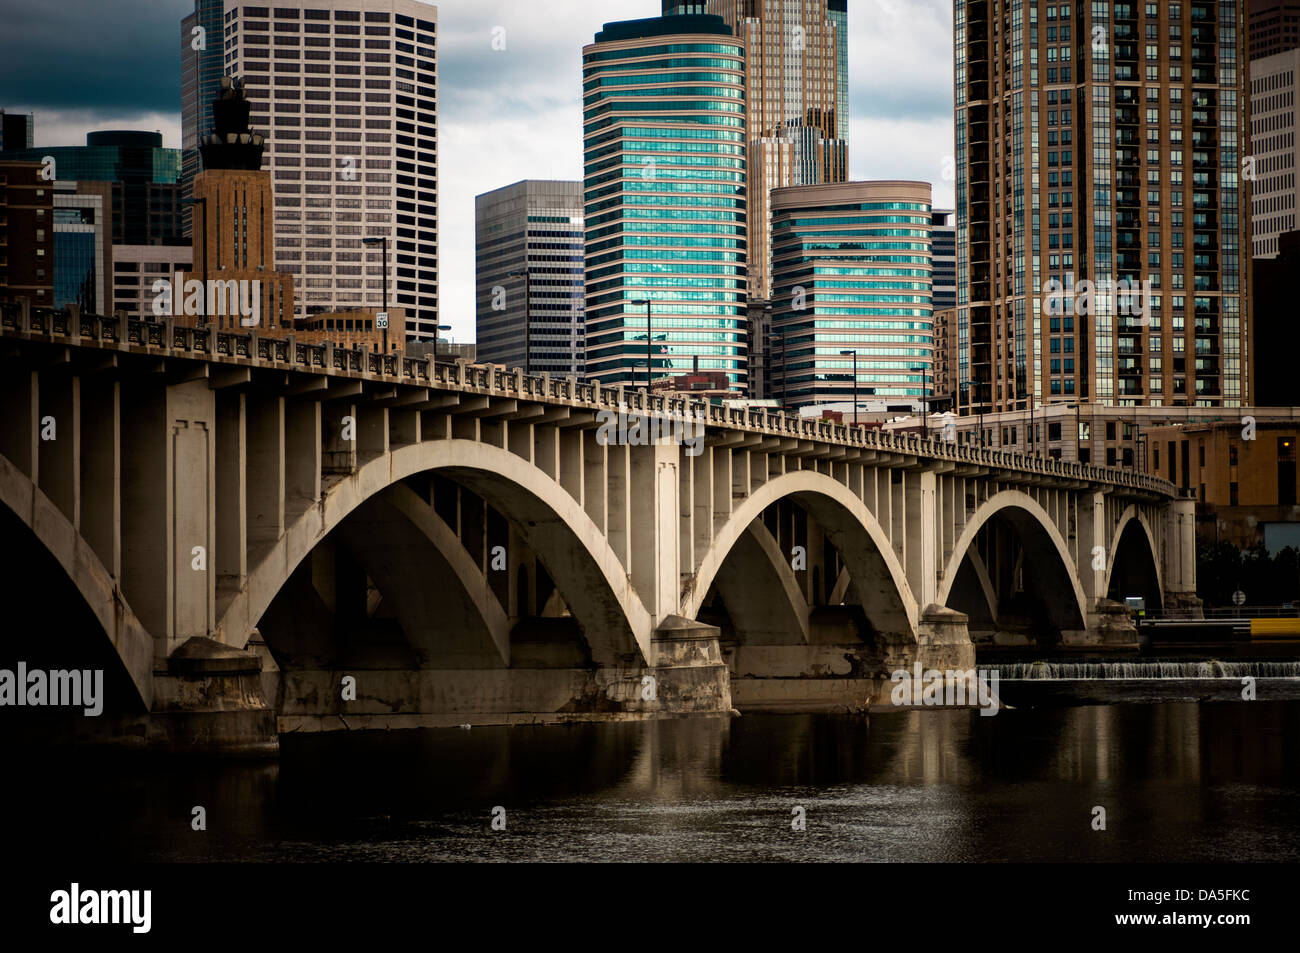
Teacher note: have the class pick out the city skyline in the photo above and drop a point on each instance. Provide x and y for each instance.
(497, 125)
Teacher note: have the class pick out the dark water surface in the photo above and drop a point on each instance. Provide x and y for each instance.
(1179, 782)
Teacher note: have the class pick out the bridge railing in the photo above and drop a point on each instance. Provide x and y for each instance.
(213, 344)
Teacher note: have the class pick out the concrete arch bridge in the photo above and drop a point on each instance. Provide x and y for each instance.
(250, 533)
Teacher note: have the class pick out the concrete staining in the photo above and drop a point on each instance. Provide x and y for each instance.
(279, 535)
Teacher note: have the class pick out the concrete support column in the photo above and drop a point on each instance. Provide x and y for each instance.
(60, 442)
(266, 464)
(702, 501)
(230, 555)
(921, 530)
(192, 414)
(618, 491)
(1092, 533)
(1179, 570)
(338, 436)
(303, 454)
(594, 487)
(146, 541)
(654, 511)
(101, 449)
(20, 437)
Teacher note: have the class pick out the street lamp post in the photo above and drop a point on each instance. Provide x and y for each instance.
(382, 241)
(648, 359)
(854, 355)
(527, 275)
(203, 203)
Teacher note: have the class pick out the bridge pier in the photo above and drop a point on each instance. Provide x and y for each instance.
(688, 677)
(836, 673)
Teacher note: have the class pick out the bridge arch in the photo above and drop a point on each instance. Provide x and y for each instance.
(131, 642)
(615, 622)
(853, 530)
(1134, 560)
(1042, 542)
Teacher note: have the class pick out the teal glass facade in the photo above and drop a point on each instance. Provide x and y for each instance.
(852, 270)
(145, 176)
(665, 201)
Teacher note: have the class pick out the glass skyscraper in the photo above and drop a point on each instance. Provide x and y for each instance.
(528, 268)
(665, 199)
(851, 271)
(797, 89)
(201, 72)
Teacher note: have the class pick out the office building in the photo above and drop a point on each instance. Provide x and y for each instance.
(851, 271)
(233, 235)
(1277, 333)
(1274, 27)
(1118, 169)
(529, 277)
(137, 269)
(943, 242)
(83, 245)
(203, 52)
(797, 94)
(16, 130)
(145, 179)
(1275, 153)
(1245, 484)
(347, 91)
(26, 234)
(665, 200)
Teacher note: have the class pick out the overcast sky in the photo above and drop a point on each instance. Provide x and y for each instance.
(82, 65)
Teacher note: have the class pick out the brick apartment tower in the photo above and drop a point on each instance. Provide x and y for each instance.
(1102, 142)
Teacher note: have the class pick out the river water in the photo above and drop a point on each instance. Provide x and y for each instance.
(1178, 782)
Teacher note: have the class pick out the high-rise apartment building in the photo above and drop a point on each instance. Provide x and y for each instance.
(665, 199)
(347, 92)
(1275, 153)
(851, 271)
(529, 267)
(26, 234)
(797, 90)
(943, 241)
(1101, 143)
(1274, 27)
(203, 52)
